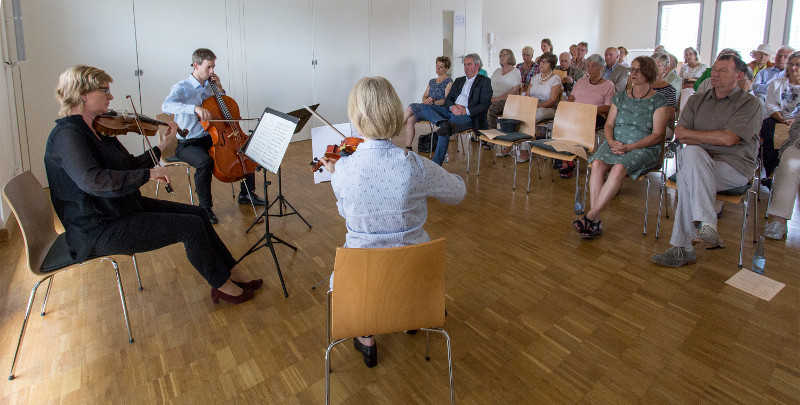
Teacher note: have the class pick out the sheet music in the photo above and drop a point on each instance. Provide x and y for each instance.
(268, 144)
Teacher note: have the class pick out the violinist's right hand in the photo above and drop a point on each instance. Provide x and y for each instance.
(202, 113)
(330, 165)
(159, 174)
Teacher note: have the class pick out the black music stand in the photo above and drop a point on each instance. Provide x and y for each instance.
(268, 239)
(303, 115)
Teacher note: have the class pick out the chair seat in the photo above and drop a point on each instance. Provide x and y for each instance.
(733, 192)
(58, 256)
(545, 146)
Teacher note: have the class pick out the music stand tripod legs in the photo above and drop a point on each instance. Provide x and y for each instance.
(268, 240)
(283, 202)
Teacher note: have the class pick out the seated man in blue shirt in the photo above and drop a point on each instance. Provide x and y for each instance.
(464, 107)
(768, 74)
(185, 101)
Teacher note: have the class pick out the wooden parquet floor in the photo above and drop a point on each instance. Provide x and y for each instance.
(536, 314)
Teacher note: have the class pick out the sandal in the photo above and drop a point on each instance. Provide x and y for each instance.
(587, 228)
(566, 169)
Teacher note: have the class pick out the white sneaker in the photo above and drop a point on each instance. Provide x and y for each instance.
(775, 230)
(708, 236)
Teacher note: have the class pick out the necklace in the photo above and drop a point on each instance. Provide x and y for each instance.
(645, 94)
(593, 83)
(542, 80)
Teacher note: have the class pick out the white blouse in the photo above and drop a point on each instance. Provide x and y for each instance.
(502, 83)
(691, 73)
(541, 89)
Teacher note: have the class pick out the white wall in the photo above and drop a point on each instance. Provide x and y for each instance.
(518, 23)
(10, 160)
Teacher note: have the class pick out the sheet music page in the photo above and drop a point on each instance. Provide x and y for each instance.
(268, 144)
(323, 136)
(755, 284)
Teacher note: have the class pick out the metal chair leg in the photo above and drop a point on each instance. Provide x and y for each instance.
(744, 224)
(328, 320)
(136, 268)
(646, 205)
(121, 296)
(191, 191)
(24, 326)
(328, 370)
(449, 361)
(530, 162)
(47, 294)
(480, 149)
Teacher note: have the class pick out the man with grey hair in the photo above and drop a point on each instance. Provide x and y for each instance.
(673, 78)
(464, 107)
(613, 71)
(766, 75)
(720, 130)
(573, 74)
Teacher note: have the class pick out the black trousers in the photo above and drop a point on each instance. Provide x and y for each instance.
(163, 223)
(768, 151)
(195, 152)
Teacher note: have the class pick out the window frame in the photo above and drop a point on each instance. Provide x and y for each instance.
(663, 3)
(787, 25)
(764, 39)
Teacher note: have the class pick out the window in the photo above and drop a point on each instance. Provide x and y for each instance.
(679, 26)
(791, 34)
(741, 25)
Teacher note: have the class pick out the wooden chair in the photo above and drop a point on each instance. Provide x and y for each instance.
(781, 135)
(561, 73)
(521, 108)
(387, 290)
(574, 123)
(46, 249)
(170, 160)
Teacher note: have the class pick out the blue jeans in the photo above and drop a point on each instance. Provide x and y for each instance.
(438, 114)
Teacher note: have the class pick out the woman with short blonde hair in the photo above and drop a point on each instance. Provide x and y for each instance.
(75, 82)
(381, 190)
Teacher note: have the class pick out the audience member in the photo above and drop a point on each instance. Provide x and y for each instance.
(634, 135)
(506, 80)
(464, 107)
(437, 90)
(745, 83)
(528, 67)
(623, 53)
(573, 74)
(579, 61)
(665, 88)
(573, 51)
(718, 128)
(546, 87)
(783, 103)
(546, 46)
(761, 58)
(659, 49)
(784, 190)
(692, 68)
(707, 73)
(615, 72)
(766, 75)
(672, 76)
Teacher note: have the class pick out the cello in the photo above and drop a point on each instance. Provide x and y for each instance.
(230, 165)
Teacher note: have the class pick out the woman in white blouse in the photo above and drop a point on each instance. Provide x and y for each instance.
(506, 80)
(692, 68)
(382, 190)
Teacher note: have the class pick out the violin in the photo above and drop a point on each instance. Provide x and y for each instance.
(230, 164)
(334, 152)
(113, 124)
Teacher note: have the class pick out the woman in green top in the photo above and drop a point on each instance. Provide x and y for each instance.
(634, 134)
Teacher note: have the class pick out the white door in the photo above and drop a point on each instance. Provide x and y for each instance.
(341, 50)
(278, 67)
(98, 33)
(167, 33)
(448, 33)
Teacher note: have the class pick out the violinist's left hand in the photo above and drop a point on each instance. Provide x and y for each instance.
(330, 165)
(167, 145)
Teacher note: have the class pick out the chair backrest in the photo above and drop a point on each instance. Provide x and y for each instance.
(561, 73)
(575, 122)
(34, 211)
(781, 135)
(522, 108)
(387, 290)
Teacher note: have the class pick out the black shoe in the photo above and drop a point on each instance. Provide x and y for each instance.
(412, 332)
(445, 129)
(211, 216)
(767, 182)
(245, 199)
(370, 352)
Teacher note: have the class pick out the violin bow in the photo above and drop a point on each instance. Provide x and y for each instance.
(168, 186)
(325, 121)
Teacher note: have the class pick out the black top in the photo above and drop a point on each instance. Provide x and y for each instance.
(93, 181)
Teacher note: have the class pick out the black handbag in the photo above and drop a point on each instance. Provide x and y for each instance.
(424, 143)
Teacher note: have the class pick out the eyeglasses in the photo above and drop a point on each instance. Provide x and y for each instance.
(793, 65)
(636, 70)
(106, 90)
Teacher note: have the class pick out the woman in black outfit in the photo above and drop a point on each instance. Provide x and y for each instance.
(94, 186)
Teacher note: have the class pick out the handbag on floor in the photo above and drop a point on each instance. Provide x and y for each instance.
(424, 143)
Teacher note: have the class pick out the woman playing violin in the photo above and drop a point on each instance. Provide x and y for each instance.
(382, 190)
(94, 186)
